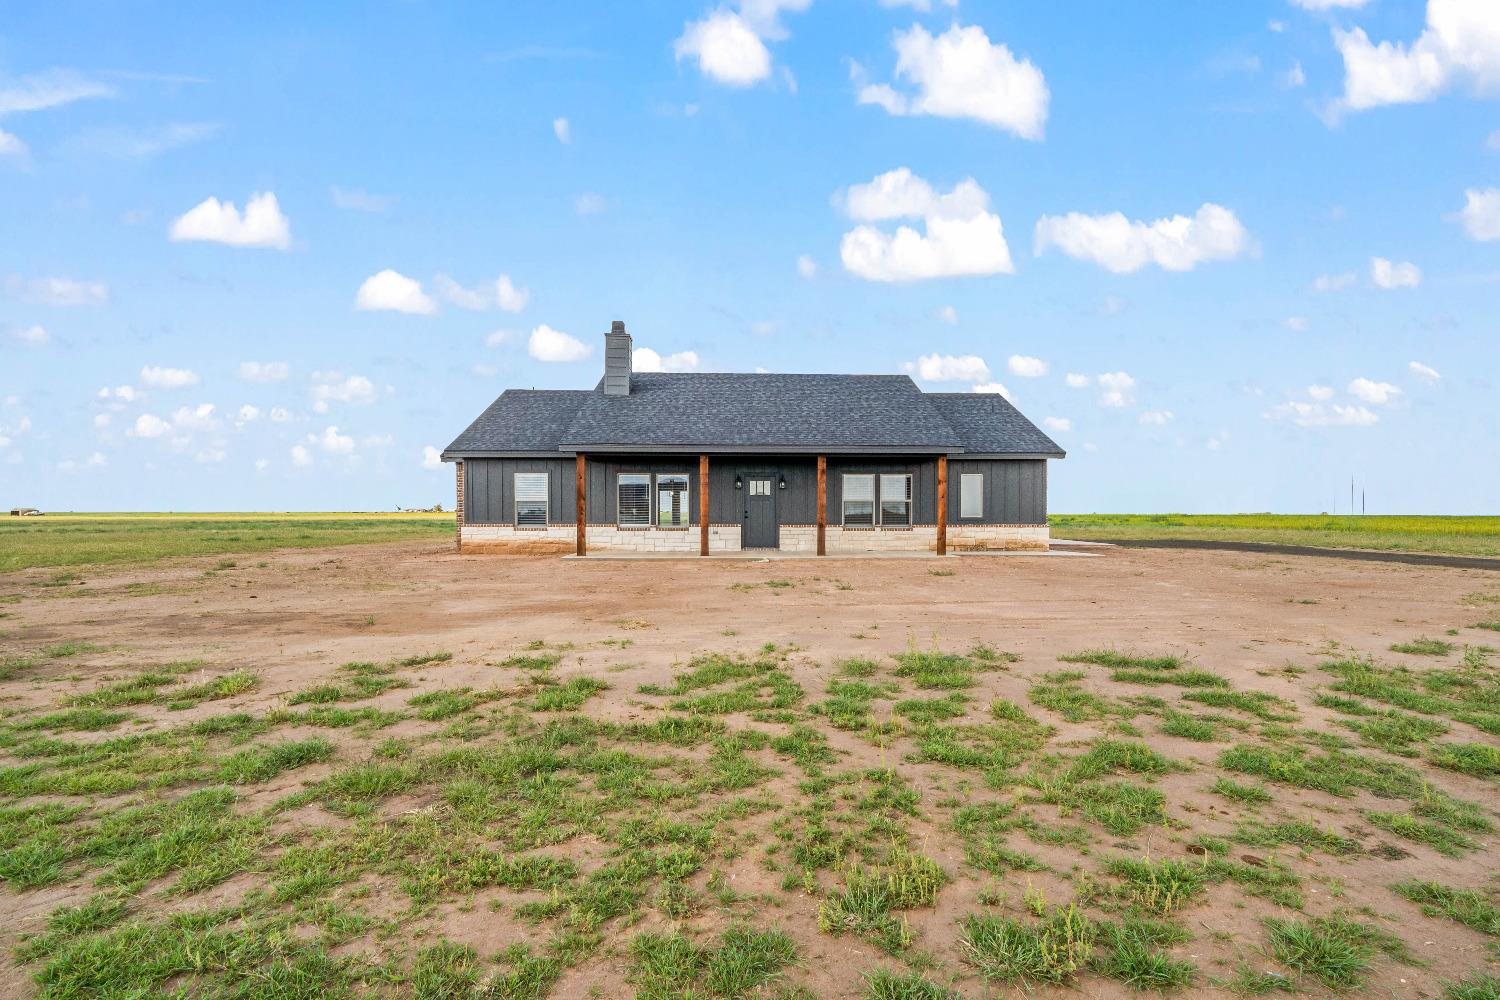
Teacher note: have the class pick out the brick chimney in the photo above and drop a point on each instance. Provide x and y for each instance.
(617, 360)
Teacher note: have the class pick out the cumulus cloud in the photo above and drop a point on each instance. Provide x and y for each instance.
(1329, 4)
(248, 413)
(1320, 391)
(1156, 418)
(123, 393)
(195, 418)
(962, 74)
(726, 49)
(508, 297)
(301, 457)
(1117, 389)
(213, 221)
(1375, 393)
(1458, 47)
(1121, 245)
(392, 291)
(1424, 372)
(949, 368)
(431, 457)
(264, 371)
(332, 441)
(1027, 367)
(498, 337)
(1305, 414)
(949, 315)
(807, 267)
(1075, 380)
(1060, 425)
(501, 292)
(644, 359)
(55, 291)
(149, 425)
(280, 415)
(12, 146)
(563, 130)
(1391, 275)
(1335, 282)
(547, 344)
(158, 377)
(961, 236)
(998, 388)
(334, 387)
(1481, 214)
(35, 335)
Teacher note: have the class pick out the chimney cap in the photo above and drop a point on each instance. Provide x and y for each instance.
(617, 326)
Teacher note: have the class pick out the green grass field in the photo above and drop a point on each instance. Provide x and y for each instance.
(89, 539)
(1469, 536)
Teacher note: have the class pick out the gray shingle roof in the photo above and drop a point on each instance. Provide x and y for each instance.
(990, 425)
(744, 412)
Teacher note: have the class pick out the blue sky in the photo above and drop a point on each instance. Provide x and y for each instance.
(1227, 254)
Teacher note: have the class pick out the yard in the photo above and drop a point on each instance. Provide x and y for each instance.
(387, 769)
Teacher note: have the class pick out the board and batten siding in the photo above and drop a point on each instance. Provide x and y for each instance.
(489, 489)
(1015, 490)
(604, 478)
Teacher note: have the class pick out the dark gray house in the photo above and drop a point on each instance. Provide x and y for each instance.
(702, 463)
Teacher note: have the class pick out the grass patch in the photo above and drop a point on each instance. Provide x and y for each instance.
(1423, 647)
(263, 763)
(1468, 907)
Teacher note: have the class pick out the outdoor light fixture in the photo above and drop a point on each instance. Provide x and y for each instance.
(738, 484)
(782, 484)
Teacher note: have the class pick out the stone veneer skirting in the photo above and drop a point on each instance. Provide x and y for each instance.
(993, 537)
(726, 538)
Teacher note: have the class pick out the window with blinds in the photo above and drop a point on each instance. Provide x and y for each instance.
(531, 499)
(971, 495)
(672, 506)
(895, 501)
(634, 500)
(859, 500)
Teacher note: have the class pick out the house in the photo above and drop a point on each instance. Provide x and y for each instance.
(821, 464)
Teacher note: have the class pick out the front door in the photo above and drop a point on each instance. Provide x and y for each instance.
(760, 513)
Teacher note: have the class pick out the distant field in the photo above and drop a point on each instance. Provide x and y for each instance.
(86, 539)
(1470, 536)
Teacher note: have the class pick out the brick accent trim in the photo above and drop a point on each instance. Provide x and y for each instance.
(458, 506)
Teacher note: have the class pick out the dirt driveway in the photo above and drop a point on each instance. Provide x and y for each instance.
(1264, 624)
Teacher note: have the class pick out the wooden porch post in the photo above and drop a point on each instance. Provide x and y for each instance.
(822, 504)
(942, 506)
(583, 507)
(703, 505)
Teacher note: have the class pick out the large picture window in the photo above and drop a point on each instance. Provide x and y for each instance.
(672, 502)
(859, 500)
(531, 499)
(971, 495)
(635, 500)
(895, 501)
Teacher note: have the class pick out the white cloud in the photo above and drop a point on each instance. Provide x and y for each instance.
(998, 388)
(1119, 389)
(499, 337)
(102, 420)
(1389, 275)
(961, 236)
(213, 221)
(333, 387)
(123, 393)
(1218, 441)
(589, 203)
(1027, 367)
(1335, 282)
(11, 145)
(247, 413)
(464, 298)
(36, 335)
(1320, 392)
(1060, 425)
(1375, 393)
(1156, 418)
(392, 291)
(727, 49)
(301, 456)
(332, 441)
(149, 425)
(1481, 214)
(948, 315)
(1076, 381)
(949, 368)
(1297, 324)
(431, 457)
(195, 418)
(122, 143)
(547, 344)
(1120, 245)
(280, 415)
(1305, 414)
(807, 267)
(210, 455)
(1460, 45)
(52, 89)
(1293, 77)
(359, 200)
(158, 377)
(264, 371)
(1424, 372)
(55, 291)
(563, 130)
(1329, 4)
(508, 297)
(962, 74)
(94, 461)
(644, 359)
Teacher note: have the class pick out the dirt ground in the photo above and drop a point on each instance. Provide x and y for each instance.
(293, 617)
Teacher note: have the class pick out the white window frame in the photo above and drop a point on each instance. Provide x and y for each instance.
(685, 506)
(620, 483)
(546, 480)
(888, 478)
(963, 496)
(844, 499)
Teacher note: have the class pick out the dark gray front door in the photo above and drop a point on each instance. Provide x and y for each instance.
(760, 513)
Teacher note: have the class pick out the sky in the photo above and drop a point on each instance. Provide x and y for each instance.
(1228, 255)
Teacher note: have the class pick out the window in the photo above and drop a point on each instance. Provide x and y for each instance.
(672, 506)
(859, 500)
(531, 499)
(971, 494)
(895, 501)
(635, 500)
(760, 487)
